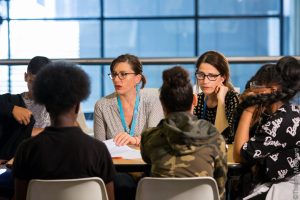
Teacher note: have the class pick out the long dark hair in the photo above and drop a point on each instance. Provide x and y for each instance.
(219, 61)
(289, 68)
(285, 73)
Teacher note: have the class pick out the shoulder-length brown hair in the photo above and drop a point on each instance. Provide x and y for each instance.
(133, 61)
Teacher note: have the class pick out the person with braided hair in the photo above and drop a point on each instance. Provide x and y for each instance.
(257, 84)
(273, 146)
(183, 145)
(294, 74)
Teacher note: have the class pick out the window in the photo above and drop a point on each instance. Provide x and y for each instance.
(4, 79)
(146, 8)
(4, 40)
(238, 7)
(147, 28)
(149, 38)
(55, 39)
(244, 37)
(32, 9)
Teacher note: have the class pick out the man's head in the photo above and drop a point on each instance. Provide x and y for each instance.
(35, 65)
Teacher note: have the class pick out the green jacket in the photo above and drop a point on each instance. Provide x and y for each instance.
(184, 146)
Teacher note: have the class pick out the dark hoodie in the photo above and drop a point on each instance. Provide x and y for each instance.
(184, 146)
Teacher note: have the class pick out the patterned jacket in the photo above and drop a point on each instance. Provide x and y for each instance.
(209, 114)
(276, 145)
(183, 146)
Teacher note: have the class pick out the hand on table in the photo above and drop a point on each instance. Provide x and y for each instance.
(124, 138)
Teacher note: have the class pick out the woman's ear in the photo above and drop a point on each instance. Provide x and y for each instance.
(138, 78)
(223, 78)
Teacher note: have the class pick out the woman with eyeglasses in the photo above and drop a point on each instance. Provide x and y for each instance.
(218, 100)
(124, 114)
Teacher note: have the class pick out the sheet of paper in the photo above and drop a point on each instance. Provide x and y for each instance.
(2, 171)
(124, 152)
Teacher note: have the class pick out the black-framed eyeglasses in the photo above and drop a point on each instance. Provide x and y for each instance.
(121, 75)
(211, 77)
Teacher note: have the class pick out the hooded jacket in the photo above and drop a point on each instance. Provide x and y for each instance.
(184, 146)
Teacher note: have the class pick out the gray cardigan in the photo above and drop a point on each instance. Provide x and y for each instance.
(107, 120)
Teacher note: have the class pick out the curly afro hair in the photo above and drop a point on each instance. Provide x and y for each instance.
(60, 86)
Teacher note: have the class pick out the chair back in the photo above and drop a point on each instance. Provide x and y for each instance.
(91, 188)
(190, 188)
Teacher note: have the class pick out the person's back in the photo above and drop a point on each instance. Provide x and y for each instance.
(62, 153)
(63, 150)
(181, 145)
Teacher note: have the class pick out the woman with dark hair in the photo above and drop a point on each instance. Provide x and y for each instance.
(275, 145)
(218, 100)
(123, 115)
(258, 84)
(294, 74)
(62, 150)
(182, 145)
